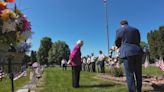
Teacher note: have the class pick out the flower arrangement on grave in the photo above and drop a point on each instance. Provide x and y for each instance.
(114, 62)
(15, 29)
(113, 56)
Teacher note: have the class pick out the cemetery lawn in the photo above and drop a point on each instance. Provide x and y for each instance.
(57, 80)
(5, 84)
(152, 70)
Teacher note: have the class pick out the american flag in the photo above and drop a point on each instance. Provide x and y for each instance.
(146, 62)
(160, 63)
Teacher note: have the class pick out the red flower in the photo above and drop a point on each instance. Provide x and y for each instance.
(9, 1)
(2, 5)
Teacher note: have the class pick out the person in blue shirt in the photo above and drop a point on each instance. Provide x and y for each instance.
(128, 40)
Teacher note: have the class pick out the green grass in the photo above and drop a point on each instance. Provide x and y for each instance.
(5, 84)
(152, 71)
(57, 80)
(60, 81)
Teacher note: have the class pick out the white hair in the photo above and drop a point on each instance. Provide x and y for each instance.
(80, 42)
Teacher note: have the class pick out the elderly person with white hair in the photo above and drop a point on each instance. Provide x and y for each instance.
(75, 60)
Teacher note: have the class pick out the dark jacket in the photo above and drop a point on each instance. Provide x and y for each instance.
(128, 40)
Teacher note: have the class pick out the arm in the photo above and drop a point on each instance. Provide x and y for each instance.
(118, 40)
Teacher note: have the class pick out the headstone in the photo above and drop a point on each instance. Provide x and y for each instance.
(23, 90)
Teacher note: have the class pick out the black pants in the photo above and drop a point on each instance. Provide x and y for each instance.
(102, 67)
(75, 76)
(93, 67)
(64, 66)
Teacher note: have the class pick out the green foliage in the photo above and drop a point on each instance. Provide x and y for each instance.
(161, 42)
(26, 59)
(33, 56)
(143, 44)
(117, 72)
(58, 51)
(44, 48)
(156, 43)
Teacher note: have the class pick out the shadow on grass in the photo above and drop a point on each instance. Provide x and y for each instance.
(158, 88)
(96, 86)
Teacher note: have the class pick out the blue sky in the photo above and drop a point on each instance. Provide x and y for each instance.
(70, 20)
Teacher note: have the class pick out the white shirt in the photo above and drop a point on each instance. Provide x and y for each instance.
(88, 60)
(63, 61)
(93, 58)
(101, 57)
(84, 60)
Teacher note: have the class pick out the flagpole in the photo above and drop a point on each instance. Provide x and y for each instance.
(106, 14)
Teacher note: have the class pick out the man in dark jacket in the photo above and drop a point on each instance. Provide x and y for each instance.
(75, 60)
(128, 40)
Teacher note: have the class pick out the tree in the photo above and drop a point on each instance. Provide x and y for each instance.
(44, 48)
(33, 56)
(143, 44)
(152, 41)
(26, 60)
(156, 43)
(60, 50)
(161, 41)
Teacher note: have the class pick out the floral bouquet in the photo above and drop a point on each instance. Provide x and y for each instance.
(15, 29)
(114, 56)
(114, 62)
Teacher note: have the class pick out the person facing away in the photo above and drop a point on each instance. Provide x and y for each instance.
(128, 40)
(64, 64)
(88, 63)
(93, 59)
(84, 63)
(101, 58)
(75, 60)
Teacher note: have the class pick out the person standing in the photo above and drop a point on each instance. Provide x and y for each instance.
(88, 63)
(1, 72)
(93, 60)
(101, 58)
(128, 40)
(75, 60)
(64, 64)
(84, 63)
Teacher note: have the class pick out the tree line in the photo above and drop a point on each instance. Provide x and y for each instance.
(52, 53)
(156, 43)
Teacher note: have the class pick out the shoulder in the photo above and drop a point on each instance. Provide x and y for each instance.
(132, 28)
(119, 30)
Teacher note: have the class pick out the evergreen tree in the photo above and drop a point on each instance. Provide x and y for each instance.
(156, 43)
(161, 41)
(44, 48)
(33, 56)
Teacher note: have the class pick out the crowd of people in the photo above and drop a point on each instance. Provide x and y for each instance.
(90, 62)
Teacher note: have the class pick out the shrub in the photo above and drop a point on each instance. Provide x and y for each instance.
(117, 72)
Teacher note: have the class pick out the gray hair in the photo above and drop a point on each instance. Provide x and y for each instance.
(80, 42)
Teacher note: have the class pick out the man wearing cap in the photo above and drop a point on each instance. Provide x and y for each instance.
(128, 40)
(75, 60)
